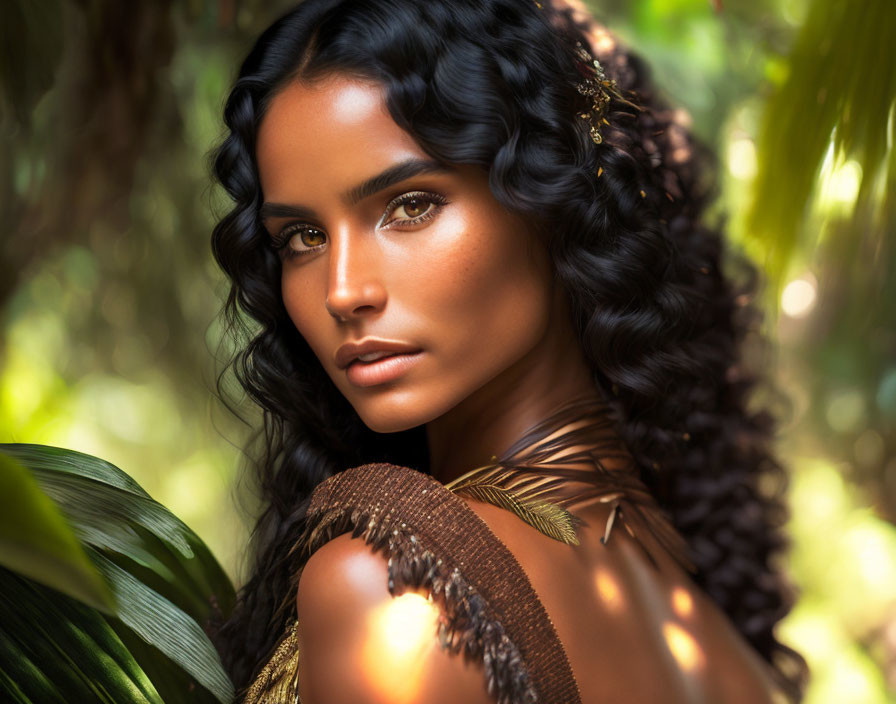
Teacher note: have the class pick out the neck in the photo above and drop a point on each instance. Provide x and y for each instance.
(497, 416)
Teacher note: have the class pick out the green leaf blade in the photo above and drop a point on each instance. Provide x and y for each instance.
(69, 645)
(168, 628)
(38, 542)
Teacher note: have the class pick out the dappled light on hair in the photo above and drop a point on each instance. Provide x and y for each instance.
(398, 639)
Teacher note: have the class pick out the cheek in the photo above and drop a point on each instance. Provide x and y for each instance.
(485, 287)
(508, 303)
(292, 297)
(297, 300)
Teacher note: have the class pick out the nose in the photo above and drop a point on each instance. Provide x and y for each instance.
(354, 285)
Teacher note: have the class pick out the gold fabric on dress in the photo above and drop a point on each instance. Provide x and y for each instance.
(278, 681)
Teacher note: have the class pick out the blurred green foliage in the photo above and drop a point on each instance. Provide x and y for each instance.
(106, 599)
(109, 295)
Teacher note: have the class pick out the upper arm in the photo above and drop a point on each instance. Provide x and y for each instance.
(360, 645)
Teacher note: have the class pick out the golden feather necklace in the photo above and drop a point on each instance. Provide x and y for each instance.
(541, 475)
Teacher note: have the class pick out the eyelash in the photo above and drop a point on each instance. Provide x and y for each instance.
(280, 242)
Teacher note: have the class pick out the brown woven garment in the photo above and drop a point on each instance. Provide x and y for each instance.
(435, 541)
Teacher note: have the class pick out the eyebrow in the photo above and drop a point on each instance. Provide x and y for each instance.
(394, 174)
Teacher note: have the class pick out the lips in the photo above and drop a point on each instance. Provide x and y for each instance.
(372, 357)
(351, 351)
(382, 371)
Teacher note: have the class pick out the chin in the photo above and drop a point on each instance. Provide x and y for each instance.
(392, 410)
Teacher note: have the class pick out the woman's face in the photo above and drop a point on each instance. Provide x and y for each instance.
(431, 260)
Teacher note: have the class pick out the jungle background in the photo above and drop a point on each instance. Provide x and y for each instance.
(110, 338)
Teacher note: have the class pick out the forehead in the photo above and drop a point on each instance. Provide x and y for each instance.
(333, 129)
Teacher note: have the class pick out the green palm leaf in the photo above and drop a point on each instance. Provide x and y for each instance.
(36, 540)
(131, 526)
(62, 461)
(139, 529)
(56, 648)
(167, 627)
(164, 579)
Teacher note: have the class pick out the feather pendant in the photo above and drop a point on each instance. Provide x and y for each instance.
(278, 681)
(549, 518)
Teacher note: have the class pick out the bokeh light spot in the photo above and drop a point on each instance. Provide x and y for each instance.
(799, 297)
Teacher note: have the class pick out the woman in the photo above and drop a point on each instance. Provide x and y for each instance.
(459, 186)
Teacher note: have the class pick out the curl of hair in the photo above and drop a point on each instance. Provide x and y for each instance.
(492, 83)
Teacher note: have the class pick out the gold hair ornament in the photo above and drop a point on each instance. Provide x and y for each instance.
(598, 87)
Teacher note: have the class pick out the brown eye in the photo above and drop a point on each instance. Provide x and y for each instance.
(298, 239)
(415, 207)
(308, 236)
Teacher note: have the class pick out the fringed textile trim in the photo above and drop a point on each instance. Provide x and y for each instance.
(434, 541)
(466, 625)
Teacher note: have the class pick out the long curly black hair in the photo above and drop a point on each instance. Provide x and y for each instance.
(493, 83)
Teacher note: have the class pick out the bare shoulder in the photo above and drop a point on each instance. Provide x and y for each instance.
(360, 644)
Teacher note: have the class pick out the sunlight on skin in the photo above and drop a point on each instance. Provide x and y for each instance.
(608, 589)
(682, 603)
(683, 646)
(398, 640)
